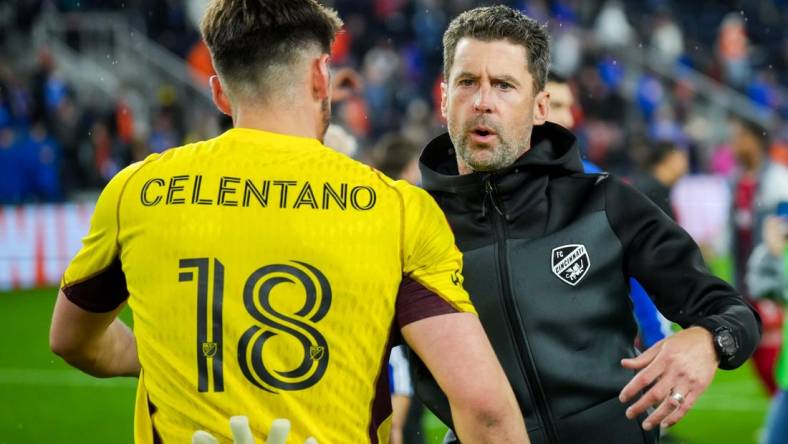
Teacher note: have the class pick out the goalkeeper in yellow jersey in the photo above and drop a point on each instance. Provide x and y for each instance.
(269, 275)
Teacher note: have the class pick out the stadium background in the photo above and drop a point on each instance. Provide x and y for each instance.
(88, 86)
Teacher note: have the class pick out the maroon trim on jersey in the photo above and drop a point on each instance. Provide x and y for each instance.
(151, 410)
(381, 402)
(416, 302)
(101, 292)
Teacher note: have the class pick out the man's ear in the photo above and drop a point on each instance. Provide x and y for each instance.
(321, 78)
(541, 107)
(219, 96)
(444, 100)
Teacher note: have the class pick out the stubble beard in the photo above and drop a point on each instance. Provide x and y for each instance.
(484, 157)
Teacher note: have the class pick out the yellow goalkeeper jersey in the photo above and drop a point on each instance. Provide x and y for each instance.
(267, 275)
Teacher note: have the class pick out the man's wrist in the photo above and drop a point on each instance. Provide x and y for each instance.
(723, 340)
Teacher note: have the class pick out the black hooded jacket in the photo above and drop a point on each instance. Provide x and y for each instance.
(548, 251)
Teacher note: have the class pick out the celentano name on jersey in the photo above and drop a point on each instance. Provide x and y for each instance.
(232, 191)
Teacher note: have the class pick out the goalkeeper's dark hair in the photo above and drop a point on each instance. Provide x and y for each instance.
(254, 43)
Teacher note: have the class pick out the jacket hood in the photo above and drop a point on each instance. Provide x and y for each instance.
(553, 152)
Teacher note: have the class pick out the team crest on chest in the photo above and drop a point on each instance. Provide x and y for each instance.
(570, 263)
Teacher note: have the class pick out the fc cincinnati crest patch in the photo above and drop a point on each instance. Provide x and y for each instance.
(570, 263)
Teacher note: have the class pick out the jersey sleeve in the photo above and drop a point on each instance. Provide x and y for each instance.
(94, 279)
(432, 263)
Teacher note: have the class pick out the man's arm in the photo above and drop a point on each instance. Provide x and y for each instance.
(669, 265)
(96, 343)
(84, 330)
(456, 350)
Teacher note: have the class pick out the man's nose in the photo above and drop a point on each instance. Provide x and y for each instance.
(483, 101)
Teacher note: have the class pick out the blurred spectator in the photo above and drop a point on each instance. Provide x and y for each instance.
(665, 165)
(758, 187)
(67, 133)
(381, 64)
(612, 27)
(398, 158)
(767, 277)
(163, 135)
(337, 138)
(200, 64)
(733, 49)
(667, 40)
(13, 186)
(44, 167)
(171, 108)
(418, 123)
(650, 94)
(567, 47)
(562, 101)
(5, 113)
(101, 155)
(124, 120)
(401, 394)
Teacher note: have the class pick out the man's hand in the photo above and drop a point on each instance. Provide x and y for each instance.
(242, 433)
(680, 368)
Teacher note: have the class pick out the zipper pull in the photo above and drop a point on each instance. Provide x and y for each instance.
(487, 195)
(489, 192)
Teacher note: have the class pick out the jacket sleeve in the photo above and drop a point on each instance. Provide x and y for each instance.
(669, 265)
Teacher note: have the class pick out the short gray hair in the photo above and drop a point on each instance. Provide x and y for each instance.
(501, 23)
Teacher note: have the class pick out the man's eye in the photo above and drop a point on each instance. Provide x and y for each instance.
(504, 85)
(465, 82)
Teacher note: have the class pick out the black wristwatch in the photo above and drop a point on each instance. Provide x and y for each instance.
(725, 343)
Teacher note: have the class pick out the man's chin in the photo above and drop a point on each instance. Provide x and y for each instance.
(482, 164)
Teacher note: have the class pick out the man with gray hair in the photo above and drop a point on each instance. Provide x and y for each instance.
(549, 252)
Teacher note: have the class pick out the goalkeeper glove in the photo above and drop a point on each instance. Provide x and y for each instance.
(242, 434)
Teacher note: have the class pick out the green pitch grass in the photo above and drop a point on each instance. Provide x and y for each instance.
(42, 400)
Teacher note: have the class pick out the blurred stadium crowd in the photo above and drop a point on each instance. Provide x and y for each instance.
(643, 72)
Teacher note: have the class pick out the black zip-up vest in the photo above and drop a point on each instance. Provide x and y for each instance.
(547, 253)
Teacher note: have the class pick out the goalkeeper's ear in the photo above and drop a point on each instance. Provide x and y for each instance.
(219, 96)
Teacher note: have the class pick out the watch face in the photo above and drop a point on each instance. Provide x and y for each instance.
(726, 343)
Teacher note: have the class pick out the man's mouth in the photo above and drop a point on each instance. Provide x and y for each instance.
(482, 134)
